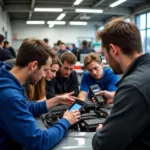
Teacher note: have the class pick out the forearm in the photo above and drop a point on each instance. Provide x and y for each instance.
(82, 95)
(50, 103)
(60, 94)
(113, 93)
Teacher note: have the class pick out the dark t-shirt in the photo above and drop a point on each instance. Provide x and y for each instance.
(59, 85)
(5, 54)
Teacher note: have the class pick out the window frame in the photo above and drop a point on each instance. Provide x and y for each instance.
(146, 29)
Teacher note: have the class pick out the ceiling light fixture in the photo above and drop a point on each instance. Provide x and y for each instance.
(61, 16)
(51, 25)
(89, 10)
(57, 22)
(77, 2)
(117, 3)
(78, 23)
(35, 22)
(49, 9)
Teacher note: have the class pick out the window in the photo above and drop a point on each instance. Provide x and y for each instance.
(148, 20)
(143, 37)
(148, 41)
(143, 23)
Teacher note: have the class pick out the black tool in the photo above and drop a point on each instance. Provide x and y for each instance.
(95, 89)
(77, 105)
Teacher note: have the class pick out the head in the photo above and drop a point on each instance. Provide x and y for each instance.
(6, 44)
(36, 57)
(84, 43)
(62, 46)
(58, 42)
(73, 45)
(120, 40)
(68, 61)
(94, 65)
(1, 41)
(51, 73)
(46, 40)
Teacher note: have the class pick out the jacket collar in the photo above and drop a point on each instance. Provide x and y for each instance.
(137, 62)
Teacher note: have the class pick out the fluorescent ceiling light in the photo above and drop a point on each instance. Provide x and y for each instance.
(78, 23)
(51, 25)
(35, 22)
(89, 10)
(77, 2)
(49, 9)
(56, 22)
(117, 3)
(61, 16)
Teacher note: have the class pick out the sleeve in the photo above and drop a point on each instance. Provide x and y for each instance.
(84, 83)
(50, 89)
(37, 108)
(13, 52)
(75, 84)
(124, 123)
(8, 54)
(22, 127)
(113, 79)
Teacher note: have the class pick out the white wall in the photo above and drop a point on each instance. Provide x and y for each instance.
(67, 34)
(5, 25)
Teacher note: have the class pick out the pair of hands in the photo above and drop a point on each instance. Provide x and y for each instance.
(108, 95)
(110, 98)
(73, 117)
(67, 99)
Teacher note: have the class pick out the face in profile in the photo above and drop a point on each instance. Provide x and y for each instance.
(51, 73)
(66, 69)
(112, 62)
(36, 73)
(95, 69)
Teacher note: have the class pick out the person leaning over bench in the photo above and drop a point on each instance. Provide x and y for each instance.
(96, 74)
(128, 125)
(66, 79)
(17, 121)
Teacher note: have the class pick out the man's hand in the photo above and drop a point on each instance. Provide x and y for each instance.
(108, 95)
(99, 127)
(66, 99)
(73, 117)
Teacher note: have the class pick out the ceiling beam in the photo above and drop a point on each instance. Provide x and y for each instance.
(120, 11)
(98, 3)
(142, 8)
(95, 5)
(23, 8)
(32, 7)
(1, 2)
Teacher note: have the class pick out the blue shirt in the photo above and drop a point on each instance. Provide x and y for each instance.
(17, 121)
(108, 81)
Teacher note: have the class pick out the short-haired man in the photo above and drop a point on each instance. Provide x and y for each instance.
(128, 125)
(17, 123)
(62, 49)
(96, 74)
(84, 49)
(9, 48)
(4, 53)
(66, 79)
